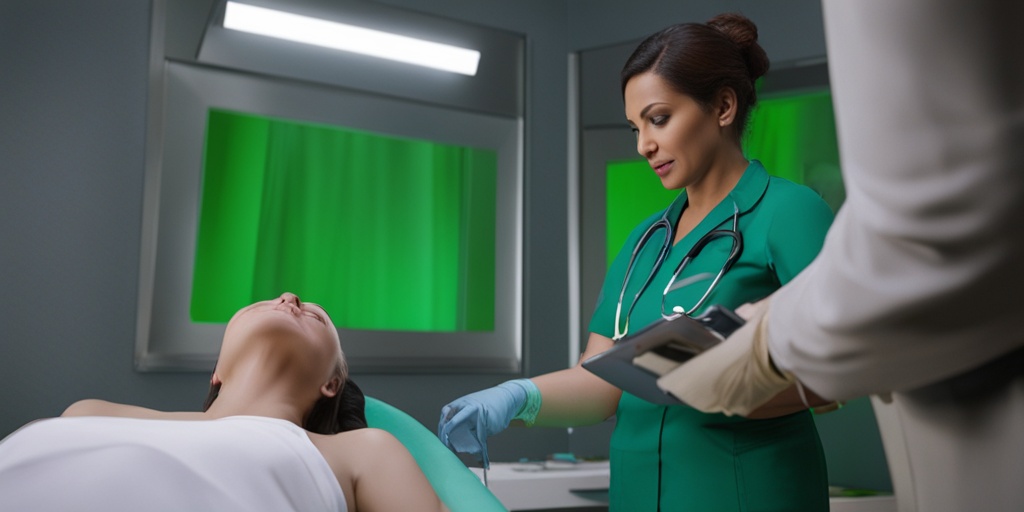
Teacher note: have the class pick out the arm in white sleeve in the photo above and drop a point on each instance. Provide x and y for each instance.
(920, 276)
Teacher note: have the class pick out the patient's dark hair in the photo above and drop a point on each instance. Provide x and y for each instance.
(345, 411)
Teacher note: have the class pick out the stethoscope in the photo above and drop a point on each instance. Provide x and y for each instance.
(666, 246)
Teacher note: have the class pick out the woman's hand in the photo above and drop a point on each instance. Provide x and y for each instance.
(467, 422)
(738, 376)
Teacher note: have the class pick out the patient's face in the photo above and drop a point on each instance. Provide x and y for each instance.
(298, 331)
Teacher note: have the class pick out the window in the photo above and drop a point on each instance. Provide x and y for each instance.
(401, 217)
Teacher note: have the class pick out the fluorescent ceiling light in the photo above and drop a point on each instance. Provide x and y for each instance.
(304, 29)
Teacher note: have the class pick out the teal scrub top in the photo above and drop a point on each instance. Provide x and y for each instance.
(675, 457)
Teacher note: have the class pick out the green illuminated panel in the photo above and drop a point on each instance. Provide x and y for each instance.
(634, 193)
(385, 233)
(794, 136)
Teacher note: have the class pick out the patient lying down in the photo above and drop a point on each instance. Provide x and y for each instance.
(281, 430)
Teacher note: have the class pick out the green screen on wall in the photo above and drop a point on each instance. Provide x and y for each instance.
(634, 193)
(386, 233)
(793, 135)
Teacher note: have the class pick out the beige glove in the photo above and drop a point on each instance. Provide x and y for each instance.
(734, 377)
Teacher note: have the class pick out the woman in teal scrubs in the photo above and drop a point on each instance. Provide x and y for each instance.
(697, 461)
(688, 91)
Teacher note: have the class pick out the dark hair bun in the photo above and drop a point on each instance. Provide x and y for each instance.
(743, 32)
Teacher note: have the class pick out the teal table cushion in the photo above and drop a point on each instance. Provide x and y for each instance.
(454, 483)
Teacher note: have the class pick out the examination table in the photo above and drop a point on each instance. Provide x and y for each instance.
(454, 483)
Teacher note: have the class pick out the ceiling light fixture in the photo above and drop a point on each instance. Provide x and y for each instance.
(339, 36)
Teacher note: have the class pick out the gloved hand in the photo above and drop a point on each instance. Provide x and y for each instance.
(734, 377)
(467, 422)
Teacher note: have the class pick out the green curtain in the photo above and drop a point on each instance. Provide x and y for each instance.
(384, 232)
(793, 135)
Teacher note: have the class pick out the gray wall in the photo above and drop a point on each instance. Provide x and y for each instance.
(72, 121)
(73, 94)
(788, 29)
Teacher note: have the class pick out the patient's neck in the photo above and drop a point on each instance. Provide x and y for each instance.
(256, 388)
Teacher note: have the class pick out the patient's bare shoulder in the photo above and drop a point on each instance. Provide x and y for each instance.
(379, 470)
(350, 451)
(95, 407)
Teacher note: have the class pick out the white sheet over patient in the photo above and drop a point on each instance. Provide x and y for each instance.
(120, 464)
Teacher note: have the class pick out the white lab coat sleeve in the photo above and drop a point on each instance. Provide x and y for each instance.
(921, 274)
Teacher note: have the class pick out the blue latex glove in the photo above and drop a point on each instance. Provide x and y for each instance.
(467, 422)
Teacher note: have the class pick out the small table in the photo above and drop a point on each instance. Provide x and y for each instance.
(554, 484)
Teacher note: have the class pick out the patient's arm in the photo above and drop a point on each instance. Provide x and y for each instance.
(94, 407)
(377, 472)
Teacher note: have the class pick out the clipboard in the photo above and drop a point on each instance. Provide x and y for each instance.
(636, 362)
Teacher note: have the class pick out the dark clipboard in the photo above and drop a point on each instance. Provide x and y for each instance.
(672, 342)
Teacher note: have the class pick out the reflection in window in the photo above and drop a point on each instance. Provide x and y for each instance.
(386, 233)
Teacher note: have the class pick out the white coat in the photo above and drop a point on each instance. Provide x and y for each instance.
(918, 287)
